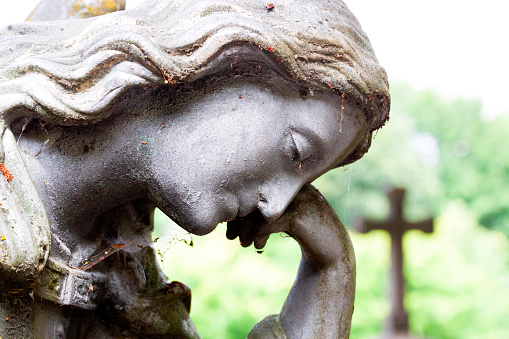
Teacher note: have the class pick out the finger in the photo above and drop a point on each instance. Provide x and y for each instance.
(232, 229)
(260, 242)
(263, 231)
(246, 233)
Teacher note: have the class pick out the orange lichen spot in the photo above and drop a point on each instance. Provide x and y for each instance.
(240, 96)
(117, 246)
(90, 288)
(330, 86)
(269, 6)
(168, 78)
(144, 142)
(270, 49)
(8, 176)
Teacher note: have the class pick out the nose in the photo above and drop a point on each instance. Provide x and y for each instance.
(274, 198)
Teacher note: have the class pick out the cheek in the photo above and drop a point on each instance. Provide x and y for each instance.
(248, 165)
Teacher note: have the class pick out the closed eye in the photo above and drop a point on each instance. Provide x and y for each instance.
(300, 147)
(304, 149)
(293, 149)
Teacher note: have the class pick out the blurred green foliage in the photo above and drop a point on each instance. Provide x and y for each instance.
(440, 150)
(453, 164)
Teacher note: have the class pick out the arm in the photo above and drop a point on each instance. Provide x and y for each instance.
(320, 303)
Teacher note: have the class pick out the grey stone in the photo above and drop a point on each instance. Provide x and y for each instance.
(213, 111)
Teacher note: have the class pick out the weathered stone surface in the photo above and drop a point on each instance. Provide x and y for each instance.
(213, 111)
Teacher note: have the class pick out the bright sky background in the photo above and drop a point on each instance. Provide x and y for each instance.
(458, 47)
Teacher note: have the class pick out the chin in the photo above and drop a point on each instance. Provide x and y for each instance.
(201, 224)
(200, 229)
(201, 218)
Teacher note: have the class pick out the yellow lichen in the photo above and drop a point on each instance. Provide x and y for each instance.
(75, 8)
(110, 5)
(103, 7)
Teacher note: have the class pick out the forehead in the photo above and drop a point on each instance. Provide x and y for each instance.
(280, 99)
(271, 109)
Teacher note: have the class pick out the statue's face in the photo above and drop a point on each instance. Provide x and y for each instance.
(245, 147)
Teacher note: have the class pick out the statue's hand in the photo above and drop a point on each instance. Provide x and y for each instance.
(254, 229)
(320, 303)
(309, 219)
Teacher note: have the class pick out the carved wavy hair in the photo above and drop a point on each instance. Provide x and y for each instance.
(70, 72)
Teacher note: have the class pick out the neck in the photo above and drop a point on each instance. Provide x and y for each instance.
(82, 172)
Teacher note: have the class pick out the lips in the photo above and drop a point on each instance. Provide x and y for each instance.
(243, 211)
(231, 207)
(242, 208)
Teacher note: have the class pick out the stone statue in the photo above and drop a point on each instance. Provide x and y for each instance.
(213, 111)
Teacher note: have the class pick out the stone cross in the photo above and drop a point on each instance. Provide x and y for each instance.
(396, 225)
